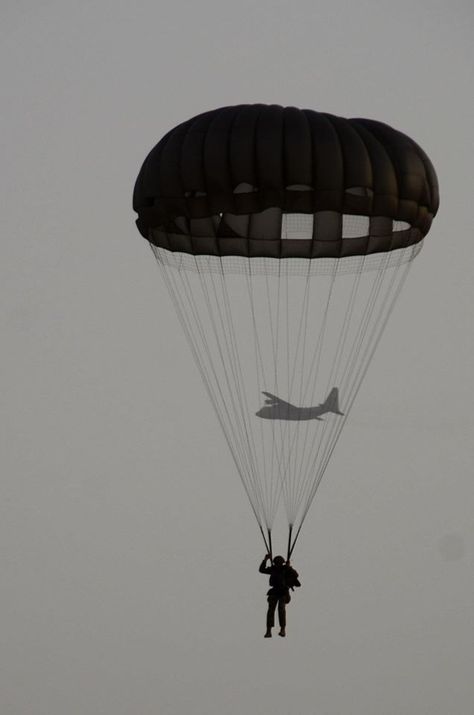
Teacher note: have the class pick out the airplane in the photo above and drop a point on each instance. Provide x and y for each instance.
(276, 409)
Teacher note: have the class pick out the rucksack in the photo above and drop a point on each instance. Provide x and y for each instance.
(291, 578)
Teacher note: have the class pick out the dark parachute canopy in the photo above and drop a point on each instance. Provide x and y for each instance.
(284, 237)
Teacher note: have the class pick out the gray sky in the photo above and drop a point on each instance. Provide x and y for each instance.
(119, 501)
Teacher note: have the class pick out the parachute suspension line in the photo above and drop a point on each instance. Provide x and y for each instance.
(285, 428)
(303, 478)
(287, 480)
(222, 343)
(272, 489)
(294, 447)
(312, 482)
(235, 425)
(237, 452)
(238, 369)
(227, 343)
(271, 492)
(311, 459)
(275, 485)
(335, 368)
(260, 376)
(292, 506)
(267, 545)
(182, 316)
(289, 549)
(216, 396)
(274, 338)
(279, 446)
(374, 339)
(378, 327)
(175, 296)
(357, 383)
(274, 334)
(308, 323)
(270, 547)
(293, 543)
(352, 357)
(347, 378)
(316, 362)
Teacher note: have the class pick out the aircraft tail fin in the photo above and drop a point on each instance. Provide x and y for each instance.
(332, 402)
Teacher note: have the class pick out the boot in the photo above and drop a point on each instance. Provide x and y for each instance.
(282, 632)
(268, 633)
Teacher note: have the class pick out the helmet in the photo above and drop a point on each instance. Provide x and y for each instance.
(278, 561)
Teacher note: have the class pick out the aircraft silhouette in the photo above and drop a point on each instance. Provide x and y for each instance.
(276, 409)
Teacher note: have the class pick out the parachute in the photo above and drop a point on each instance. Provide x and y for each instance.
(284, 237)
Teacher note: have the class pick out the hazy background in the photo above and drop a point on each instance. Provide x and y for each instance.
(128, 550)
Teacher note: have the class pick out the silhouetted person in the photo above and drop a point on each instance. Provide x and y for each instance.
(282, 578)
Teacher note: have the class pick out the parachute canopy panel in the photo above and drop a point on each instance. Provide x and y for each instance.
(229, 182)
